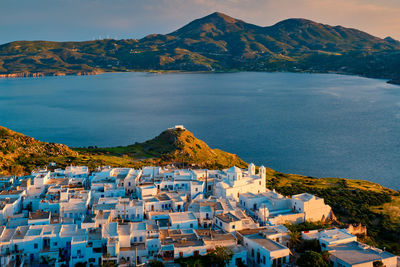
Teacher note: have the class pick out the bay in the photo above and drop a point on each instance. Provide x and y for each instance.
(322, 125)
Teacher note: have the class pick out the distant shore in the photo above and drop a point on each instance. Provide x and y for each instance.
(98, 71)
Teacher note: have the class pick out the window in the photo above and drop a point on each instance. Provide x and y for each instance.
(35, 245)
(135, 239)
(191, 225)
(140, 239)
(233, 226)
(78, 252)
(197, 189)
(239, 262)
(264, 259)
(252, 252)
(55, 243)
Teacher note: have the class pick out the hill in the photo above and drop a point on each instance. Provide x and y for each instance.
(353, 201)
(17, 149)
(216, 42)
(20, 154)
(174, 146)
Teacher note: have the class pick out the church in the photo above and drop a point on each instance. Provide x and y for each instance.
(236, 181)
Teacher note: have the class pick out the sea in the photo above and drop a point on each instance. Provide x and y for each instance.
(321, 125)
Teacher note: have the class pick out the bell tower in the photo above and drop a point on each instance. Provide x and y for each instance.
(262, 172)
(252, 169)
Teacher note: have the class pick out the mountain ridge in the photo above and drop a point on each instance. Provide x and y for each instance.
(216, 42)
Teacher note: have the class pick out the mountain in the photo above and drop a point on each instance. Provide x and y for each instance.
(216, 42)
(20, 154)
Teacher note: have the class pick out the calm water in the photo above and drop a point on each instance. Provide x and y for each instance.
(312, 124)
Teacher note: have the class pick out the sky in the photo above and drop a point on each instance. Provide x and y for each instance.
(78, 20)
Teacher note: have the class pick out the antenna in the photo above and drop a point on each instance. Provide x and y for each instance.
(123, 220)
(206, 183)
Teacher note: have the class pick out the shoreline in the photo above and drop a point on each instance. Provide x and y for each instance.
(97, 72)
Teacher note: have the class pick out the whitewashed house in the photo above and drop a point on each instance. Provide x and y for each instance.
(236, 182)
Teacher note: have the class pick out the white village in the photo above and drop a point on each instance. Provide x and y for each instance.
(135, 217)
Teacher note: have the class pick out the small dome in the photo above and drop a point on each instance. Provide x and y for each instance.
(234, 169)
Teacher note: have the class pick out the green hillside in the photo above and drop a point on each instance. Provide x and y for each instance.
(353, 201)
(216, 42)
(20, 154)
(174, 146)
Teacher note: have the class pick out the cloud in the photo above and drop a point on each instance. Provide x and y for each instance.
(85, 19)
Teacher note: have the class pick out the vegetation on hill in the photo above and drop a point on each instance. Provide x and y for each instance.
(216, 42)
(20, 154)
(352, 201)
(174, 146)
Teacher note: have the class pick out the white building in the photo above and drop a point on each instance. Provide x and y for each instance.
(263, 251)
(183, 220)
(313, 207)
(355, 254)
(329, 237)
(236, 182)
(132, 210)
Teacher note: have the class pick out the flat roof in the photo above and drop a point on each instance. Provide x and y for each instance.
(39, 215)
(304, 197)
(177, 217)
(266, 242)
(227, 218)
(10, 192)
(356, 253)
(329, 235)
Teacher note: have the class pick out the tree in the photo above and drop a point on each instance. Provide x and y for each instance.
(156, 263)
(109, 264)
(378, 264)
(294, 238)
(221, 256)
(309, 245)
(326, 256)
(311, 259)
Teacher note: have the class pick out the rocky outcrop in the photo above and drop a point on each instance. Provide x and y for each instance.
(394, 81)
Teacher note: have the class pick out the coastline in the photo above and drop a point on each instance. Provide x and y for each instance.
(153, 71)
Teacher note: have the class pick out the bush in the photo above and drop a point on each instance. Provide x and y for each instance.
(311, 259)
